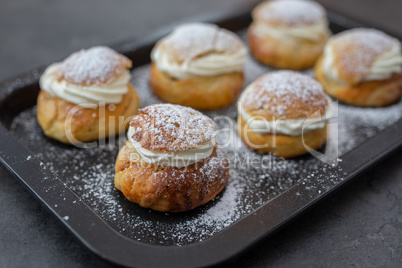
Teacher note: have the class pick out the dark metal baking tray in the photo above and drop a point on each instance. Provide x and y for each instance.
(76, 185)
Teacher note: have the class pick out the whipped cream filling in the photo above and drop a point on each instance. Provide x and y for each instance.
(173, 159)
(208, 65)
(386, 64)
(291, 127)
(87, 95)
(313, 32)
(382, 68)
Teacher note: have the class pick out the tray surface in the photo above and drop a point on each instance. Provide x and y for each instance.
(89, 172)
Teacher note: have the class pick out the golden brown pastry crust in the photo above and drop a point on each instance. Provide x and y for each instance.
(210, 92)
(281, 145)
(85, 124)
(169, 189)
(366, 94)
(294, 54)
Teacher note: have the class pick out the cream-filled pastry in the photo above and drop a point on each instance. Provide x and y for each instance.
(171, 161)
(198, 65)
(86, 97)
(284, 113)
(288, 34)
(362, 67)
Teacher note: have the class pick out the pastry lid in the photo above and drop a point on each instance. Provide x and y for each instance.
(171, 128)
(289, 12)
(96, 65)
(356, 50)
(284, 95)
(193, 40)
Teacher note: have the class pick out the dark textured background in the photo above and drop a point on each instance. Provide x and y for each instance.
(359, 226)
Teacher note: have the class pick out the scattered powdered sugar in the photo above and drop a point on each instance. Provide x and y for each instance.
(194, 39)
(96, 65)
(290, 12)
(357, 49)
(254, 179)
(282, 91)
(171, 128)
(362, 123)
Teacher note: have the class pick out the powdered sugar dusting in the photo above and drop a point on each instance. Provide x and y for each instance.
(171, 128)
(96, 65)
(283, 91)
(195, 39)
(357, 49)
(290, 12)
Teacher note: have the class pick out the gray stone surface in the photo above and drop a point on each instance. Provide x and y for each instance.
(359, 226)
